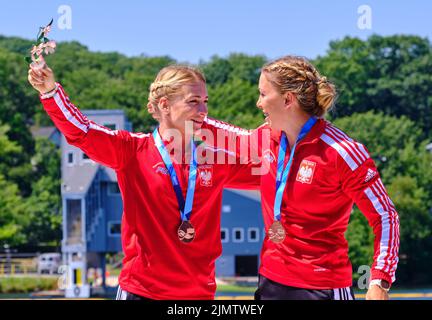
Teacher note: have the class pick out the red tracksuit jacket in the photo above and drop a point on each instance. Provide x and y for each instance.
(330, 173)
(156, 264)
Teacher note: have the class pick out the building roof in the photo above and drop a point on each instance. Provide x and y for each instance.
(250, 194)
(107, 174)
(45, 132)
(79, 179)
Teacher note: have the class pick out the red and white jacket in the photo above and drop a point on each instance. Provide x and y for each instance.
(330, 173)
(157, 264)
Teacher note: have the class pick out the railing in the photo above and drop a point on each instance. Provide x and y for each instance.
(94, 225)
(18, 263)
(16, 268)
(94, 211)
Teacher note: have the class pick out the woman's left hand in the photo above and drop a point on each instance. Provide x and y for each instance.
(377, 293)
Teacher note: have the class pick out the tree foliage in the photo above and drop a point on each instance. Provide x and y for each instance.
(405, 167)
(388, 74)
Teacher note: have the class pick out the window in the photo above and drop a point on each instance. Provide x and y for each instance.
(74, 221)
(238, 235)
(226, 208)
(70, 158)
(111, 126)
(113, 189)
(224, 235)
(253, 234)
(114, 228)
(85, 158)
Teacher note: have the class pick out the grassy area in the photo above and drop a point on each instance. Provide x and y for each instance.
(113, 271)
(234, 288)
(17, 285)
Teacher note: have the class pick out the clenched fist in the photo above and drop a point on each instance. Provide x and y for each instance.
(42, 79)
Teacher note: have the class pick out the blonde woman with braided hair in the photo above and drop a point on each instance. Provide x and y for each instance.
(316, 174)
(171, 201)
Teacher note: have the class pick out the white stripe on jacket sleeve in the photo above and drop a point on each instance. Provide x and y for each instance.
(68, 114)
(387, 257)
(343, 153)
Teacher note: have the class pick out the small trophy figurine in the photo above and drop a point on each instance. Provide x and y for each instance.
(42, 46)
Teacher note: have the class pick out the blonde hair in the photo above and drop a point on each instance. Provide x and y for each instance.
(169, 82)
(315, 94)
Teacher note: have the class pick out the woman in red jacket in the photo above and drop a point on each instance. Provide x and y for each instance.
(316, 174)
(172, 198)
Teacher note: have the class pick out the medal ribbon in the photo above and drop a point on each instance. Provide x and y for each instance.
(282, 174)
(184, 206)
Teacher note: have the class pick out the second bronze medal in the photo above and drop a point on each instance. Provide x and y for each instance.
(277, 232)
(186, 232)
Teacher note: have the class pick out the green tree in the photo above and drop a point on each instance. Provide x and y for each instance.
(217, 70)
(17, 100)
(9, 151)
(43, 211)
(360, 239)
(246, 68)
(15, 44)
(235, 102)
(411, 202)
(405, 167)
(389, 74)
(12, 214)
(17, 107)
(236, 66)
(13, 165)
(43, 206)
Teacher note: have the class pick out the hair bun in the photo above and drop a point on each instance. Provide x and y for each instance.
(326, 95)
(322, 80)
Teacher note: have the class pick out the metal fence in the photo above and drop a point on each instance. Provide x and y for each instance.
(18, 263)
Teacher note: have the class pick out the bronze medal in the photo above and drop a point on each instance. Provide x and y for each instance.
(276, 232)
(186, 232)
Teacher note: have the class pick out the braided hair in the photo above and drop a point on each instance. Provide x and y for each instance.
(315, 94)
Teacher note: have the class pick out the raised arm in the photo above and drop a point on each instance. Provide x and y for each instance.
(112, 148)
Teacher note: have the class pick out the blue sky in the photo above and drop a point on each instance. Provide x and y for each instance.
(190, 30)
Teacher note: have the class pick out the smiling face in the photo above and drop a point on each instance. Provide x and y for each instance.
(178, 100)
(272, 103)
(190, 104)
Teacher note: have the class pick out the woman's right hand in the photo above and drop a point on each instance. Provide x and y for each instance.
(42, 79)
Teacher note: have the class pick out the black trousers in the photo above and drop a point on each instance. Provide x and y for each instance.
(270, 290)
(124, 295)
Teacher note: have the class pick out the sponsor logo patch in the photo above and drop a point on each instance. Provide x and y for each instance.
(370, 174)
(160, 168)
(269, 156)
